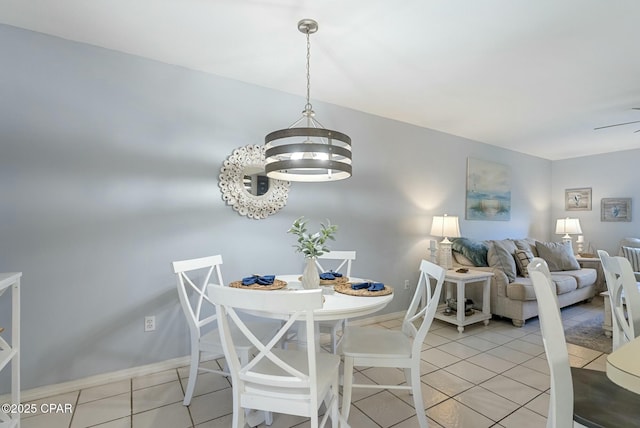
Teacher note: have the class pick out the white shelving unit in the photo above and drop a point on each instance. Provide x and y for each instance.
(10, 352)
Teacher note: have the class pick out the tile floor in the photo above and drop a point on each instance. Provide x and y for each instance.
(494, 376)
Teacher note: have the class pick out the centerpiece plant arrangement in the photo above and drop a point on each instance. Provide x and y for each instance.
(312, 245)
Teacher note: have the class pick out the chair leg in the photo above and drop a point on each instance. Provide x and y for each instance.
(336, 341)
(238, 413)
(334, 338)
(416, 388)
(193, 375)
(268, 418)
(335, 412)
(313, 421)
(407, 376)
(347, 383)
(244, 360)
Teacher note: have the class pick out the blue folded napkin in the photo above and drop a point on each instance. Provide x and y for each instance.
(258, 279)
(371, 286)
(329, 276)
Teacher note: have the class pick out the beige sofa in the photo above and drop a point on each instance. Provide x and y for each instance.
(512, 294)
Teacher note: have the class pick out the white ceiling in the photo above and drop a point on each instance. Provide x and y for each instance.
(535, 76)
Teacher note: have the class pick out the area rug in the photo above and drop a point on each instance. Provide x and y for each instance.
(589, 334)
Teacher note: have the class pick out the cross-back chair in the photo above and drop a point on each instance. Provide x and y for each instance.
(377, 347)
(337, 261)
(193, 278)
(579, 397)
(287, 381)
(624, 298)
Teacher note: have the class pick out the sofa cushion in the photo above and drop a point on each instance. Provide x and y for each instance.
(633, 255)
(564, 283)
(584, 277)
(500, 256)
(558, 255)
(521, 289)
(476, 251)
(523, 258)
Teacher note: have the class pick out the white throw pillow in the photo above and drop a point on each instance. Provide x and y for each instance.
(500, 256)
(558, 255)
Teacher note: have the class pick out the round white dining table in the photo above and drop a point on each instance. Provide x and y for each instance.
(623, 366)
(338, 306)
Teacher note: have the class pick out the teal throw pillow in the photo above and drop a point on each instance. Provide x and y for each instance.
(476, 251)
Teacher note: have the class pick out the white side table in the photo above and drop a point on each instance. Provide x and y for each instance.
(461, 280)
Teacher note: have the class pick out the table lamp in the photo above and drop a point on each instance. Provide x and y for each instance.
(568, 226)
(580, 242)
(445, 227)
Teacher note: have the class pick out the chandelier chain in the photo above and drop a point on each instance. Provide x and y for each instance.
(308, 107)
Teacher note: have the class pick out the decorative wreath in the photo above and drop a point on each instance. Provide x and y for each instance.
(232, 186)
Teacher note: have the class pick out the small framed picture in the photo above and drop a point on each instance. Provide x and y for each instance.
(577, 199)
(615, 209)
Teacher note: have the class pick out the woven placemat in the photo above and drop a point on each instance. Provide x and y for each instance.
(345, 288)
(277, 285)
(340, 280)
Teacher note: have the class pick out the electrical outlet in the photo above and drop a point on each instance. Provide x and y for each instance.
(406, 284)
(150, 323)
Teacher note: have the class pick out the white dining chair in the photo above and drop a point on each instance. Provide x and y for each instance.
(193, 278)
(379, 347)
(279, 380)
(579, 397)
(624, 298)
(336, 261)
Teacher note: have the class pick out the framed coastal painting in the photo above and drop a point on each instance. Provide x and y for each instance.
(615, 209)
(488, 191)
(577, 199)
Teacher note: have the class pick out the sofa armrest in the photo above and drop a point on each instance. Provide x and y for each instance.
(499, 279)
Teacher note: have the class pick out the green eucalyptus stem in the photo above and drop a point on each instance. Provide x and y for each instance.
(312, 245)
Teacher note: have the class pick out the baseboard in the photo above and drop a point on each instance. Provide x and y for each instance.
(104, 378)
(377, 318)
(100, 379)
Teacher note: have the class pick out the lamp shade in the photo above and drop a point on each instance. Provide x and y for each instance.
(445, 226)
(568, 226)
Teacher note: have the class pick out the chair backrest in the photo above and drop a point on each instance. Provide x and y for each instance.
(424, 304)
(344, 257)
(555, 345)
(624, 297)
(299, 305)
(193, 276)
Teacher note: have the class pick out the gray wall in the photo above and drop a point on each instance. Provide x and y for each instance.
(612, 175)
(108, 172)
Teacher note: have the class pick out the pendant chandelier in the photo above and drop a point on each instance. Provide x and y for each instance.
(307, 151)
